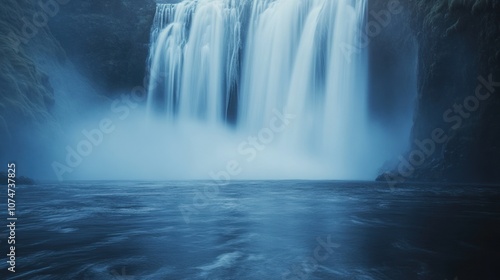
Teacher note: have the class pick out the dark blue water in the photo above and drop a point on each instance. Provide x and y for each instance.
(255, 230)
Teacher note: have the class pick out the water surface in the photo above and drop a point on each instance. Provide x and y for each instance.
(255, 230)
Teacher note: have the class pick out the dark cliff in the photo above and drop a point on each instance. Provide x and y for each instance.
(456, 130)
(109, 40)
(105, 41)
(26, 94)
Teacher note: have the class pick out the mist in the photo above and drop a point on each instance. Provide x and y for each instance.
(234, 91)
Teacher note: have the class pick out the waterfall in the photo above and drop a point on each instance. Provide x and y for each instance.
(194, 59)
(233, 64)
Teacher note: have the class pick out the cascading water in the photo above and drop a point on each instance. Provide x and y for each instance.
(235, 64)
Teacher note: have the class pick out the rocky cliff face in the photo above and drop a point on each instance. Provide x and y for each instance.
(26, 94)
(456, 131)
(108, 40)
